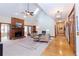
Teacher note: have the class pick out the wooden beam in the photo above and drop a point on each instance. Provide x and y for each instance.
(71, 11)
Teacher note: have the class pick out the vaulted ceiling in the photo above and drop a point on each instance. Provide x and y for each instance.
(52, 8)
(10, 9)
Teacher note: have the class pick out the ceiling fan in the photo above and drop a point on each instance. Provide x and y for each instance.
(27, 12)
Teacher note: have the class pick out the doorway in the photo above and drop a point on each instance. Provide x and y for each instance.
(5, 28)
(27, 30)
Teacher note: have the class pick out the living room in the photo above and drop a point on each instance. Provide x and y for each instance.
(29, 28)
(16, 26)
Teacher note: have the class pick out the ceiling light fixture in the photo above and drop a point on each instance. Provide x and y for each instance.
(58, 15)
(27, 12)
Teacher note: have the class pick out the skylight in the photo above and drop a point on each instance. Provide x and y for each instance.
(36, 11)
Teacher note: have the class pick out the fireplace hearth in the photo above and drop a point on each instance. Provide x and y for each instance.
(18, 34)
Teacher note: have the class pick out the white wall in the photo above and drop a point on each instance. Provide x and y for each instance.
(30, 20)
(45, 23)
(5, 19)
(27, 21)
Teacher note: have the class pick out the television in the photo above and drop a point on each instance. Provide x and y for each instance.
(43, 32)
(19, 25)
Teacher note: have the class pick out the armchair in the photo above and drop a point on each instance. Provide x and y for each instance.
(35, 36)
(44, 38)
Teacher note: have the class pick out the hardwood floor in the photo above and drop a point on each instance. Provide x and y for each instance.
(58, 47)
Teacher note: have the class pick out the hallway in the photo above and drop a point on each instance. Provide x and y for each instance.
(58, 47)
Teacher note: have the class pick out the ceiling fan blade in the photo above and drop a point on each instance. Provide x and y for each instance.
(31, 13)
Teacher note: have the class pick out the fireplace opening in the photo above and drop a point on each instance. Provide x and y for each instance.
(18, 34)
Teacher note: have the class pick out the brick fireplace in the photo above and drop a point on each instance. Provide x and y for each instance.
(16, 32)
